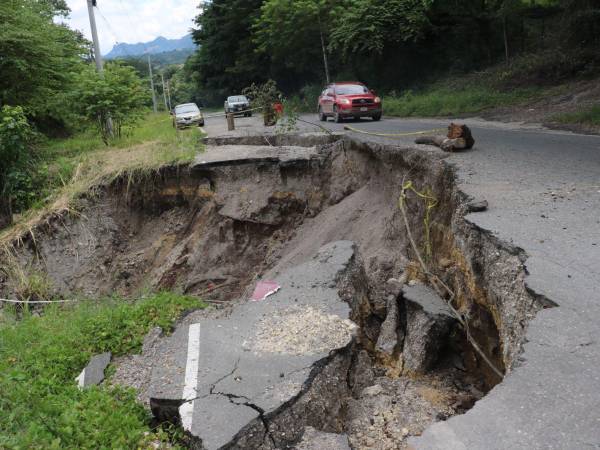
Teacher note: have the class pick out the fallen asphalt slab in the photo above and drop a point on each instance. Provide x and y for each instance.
(223, 376)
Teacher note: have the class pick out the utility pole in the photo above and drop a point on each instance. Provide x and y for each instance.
(152, 84)
(325, 62)
(162, 78)
(97, 54)
(169, 94)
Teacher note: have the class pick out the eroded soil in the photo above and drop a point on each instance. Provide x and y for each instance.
(214, 229)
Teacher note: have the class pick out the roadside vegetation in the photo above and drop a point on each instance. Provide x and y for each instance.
(66, 168)
(589, 116)
(41, 355)
(423, 57)
(64, 127)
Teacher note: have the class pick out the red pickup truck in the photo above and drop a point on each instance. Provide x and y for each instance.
(349, 99)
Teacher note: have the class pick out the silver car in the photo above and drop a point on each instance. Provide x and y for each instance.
(186, 115)
(238, 104)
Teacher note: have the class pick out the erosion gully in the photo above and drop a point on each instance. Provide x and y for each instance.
(213, 229)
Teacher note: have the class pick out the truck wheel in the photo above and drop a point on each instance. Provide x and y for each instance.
(377, 117)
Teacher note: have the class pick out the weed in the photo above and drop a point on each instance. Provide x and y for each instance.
(41, 405)
(26, 282)
(447, 101)
(589, 116)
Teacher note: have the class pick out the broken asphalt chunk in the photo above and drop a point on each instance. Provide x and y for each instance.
(429, 321)
(93, 373)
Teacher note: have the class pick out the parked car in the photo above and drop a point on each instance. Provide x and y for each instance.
(187, 114)
(237, 104)
(349, 99)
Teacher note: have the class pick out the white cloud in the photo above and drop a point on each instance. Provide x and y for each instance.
(134, 21)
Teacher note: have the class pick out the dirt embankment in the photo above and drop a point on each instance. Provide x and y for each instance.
(214, 229)
(572, 98)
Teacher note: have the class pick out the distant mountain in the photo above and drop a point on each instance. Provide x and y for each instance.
(158, 45)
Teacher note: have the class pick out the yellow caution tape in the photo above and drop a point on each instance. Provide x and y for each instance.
(413, 133)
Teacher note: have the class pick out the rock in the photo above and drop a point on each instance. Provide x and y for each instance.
(445, 263)
(93, 373)
(372, 391)
(390, 336)
(361, 374)
(313, 439)
(428, 323)
(393, 286)
(477, 206)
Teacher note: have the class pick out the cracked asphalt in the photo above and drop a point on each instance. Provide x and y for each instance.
(239, 381)
(543, 191)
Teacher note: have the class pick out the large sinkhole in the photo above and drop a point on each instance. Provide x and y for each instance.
(251, 212)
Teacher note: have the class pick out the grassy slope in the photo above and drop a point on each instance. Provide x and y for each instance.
(443, 100)
(587, 116)
(528, 79)
(40, 356)
(76, 164)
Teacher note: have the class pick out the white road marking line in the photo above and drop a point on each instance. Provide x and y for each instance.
(186, 410)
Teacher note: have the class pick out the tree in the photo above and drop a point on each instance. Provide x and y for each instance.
(295, 34)
(38, 56)
(15, 156)
(226, 61)
(118, 93)
(370, 25)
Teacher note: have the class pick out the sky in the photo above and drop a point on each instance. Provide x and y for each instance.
(134, 21)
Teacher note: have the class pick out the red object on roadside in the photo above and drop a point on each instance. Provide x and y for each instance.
(263, 289)
(278, 107)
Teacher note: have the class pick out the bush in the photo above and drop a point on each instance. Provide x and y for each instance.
(16, 157)
(116, 94)
(305, 100)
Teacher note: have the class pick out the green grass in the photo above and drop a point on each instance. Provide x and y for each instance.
(589, 116)
(40, 403)
(70, 167)
(448, 101)
(152, 128)
(61, 158)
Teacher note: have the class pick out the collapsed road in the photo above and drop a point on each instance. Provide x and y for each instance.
(353, 350)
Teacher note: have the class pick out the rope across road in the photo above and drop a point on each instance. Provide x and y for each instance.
(412, 133)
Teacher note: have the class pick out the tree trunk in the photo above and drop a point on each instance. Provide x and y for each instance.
(505, 39)
(5, 211)
(325, 62)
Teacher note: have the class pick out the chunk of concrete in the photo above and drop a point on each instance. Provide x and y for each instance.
(428, 324)
(314, 439)
(93, 373)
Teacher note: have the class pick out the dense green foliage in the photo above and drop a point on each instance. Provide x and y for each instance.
(40, 356)
(37, 58)
(15, 157)
(227, 62)
(390, 45)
